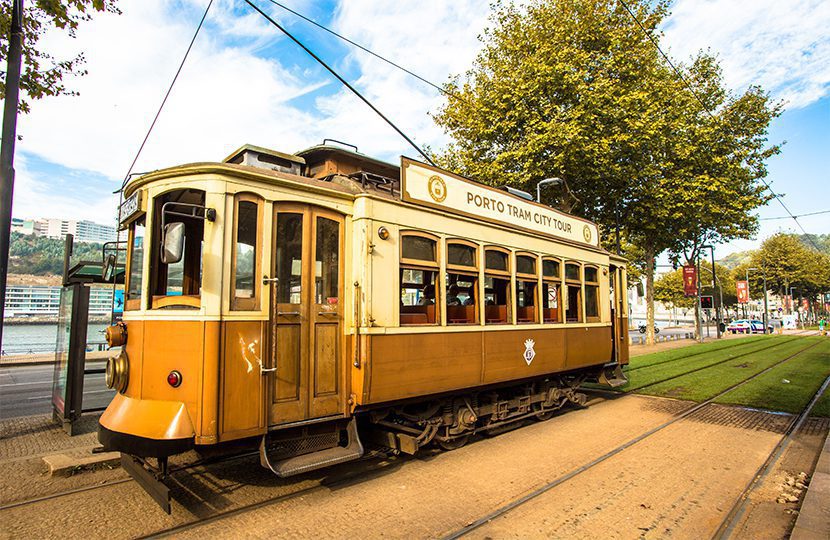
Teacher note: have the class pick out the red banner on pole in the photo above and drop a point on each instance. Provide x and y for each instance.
(742, 288)
(690, 280)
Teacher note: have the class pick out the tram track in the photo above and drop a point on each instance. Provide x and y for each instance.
(619, 449)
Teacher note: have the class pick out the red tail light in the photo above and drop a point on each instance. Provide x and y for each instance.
(174, 379)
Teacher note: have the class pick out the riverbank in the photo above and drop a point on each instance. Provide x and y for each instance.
(13, 321)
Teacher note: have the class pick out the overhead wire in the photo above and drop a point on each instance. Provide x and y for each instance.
(166, 95)
(144, 142)
(341, 79)
(798, 216)
(367, 50)
(708, 112)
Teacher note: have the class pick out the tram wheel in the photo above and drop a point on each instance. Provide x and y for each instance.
(454, 444)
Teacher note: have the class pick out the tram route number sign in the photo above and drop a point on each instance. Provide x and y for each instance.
(430, 186)
(130, 208)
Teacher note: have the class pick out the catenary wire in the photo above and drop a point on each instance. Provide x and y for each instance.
(341, 79)
(376, 55)
(708, 112)
(798, 216)
(166, 95)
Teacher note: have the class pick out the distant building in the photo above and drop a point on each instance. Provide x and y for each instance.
(82, 231)
(44, 300)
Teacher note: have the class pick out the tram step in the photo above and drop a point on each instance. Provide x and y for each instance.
(613, 377)
(315, 460)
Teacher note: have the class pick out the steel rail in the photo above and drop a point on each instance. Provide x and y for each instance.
(60, 494)
(727, 526)
(579, 470)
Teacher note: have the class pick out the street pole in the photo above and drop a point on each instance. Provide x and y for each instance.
(7, 147)
(714, 280)
(699, 308)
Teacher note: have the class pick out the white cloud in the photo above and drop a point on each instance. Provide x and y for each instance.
(783, 46)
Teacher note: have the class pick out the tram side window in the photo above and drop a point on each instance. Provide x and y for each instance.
(551, 291)
(418, 278)
(496, 287)
(591, 294)
(246, 255)
(136, 278)
(462, 283)
(526, 283)
(573, 286)
(178, 285)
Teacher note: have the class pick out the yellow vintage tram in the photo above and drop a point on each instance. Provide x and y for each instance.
(315, 301)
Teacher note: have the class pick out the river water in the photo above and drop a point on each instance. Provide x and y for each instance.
(41, 338)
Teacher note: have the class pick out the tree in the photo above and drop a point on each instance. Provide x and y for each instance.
(576, 89)
(42, 74)
(669, 290)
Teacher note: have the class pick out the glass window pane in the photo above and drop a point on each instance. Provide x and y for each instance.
(550, 302)
(461, 294)
(137, 260)
(418, 247)
(496, 300)
(417, 296)
(572, 271)
(175, 274)
(495, 260)
(591, 301)
(461, 255)
(550, 268)
(525, 264)
(289, 258)
(590, 274)
(574, 310)
(327, 262)
(246, 235)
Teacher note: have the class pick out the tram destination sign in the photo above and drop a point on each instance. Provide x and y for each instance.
(130, 208)
(429, 186)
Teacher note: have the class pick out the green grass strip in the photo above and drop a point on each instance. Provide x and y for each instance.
(788, 387)
(660, 372)
(646, 360)
(702, 385)
(822, 408)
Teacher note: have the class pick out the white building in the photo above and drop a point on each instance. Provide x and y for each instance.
(82, 231)
(45, 300)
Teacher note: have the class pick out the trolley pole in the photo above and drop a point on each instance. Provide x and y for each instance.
(7, 147)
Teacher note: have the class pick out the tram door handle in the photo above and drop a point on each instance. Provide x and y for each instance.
(265, 371)
(266, 280)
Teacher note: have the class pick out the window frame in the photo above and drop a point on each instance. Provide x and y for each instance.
(134, 304)
(521, 276)
(420, 264)
(182, 301)
(498, 274)
(252, 303)
(467, 271)
(558, 281)
(585, 285)
(570, 282)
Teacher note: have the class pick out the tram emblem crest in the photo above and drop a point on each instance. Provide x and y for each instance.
(437, 188)
(529, 353)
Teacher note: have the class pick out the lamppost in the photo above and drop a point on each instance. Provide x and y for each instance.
(764, 274)
(714, 280)
(555, 181)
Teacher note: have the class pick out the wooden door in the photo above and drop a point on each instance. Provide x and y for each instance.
(306, 314)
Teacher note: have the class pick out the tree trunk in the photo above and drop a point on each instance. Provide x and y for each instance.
(649, 253)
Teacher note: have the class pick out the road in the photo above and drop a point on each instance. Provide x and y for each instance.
(680, 331)
(27, 390)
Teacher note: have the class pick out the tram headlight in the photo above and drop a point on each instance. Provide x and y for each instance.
(118, 372)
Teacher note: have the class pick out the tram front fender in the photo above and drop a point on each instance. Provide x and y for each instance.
(146, 427)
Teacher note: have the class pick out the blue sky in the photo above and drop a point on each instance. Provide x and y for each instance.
(245, 83)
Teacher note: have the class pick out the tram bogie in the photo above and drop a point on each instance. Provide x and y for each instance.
(279, 299)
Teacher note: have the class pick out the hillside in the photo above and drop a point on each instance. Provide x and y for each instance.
(40, 256)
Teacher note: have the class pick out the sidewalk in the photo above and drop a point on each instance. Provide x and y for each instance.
(814, 517)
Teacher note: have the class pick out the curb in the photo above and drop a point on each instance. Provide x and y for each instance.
(814, 517)
(63, 465)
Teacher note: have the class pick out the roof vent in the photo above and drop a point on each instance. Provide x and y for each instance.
(263, 158)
